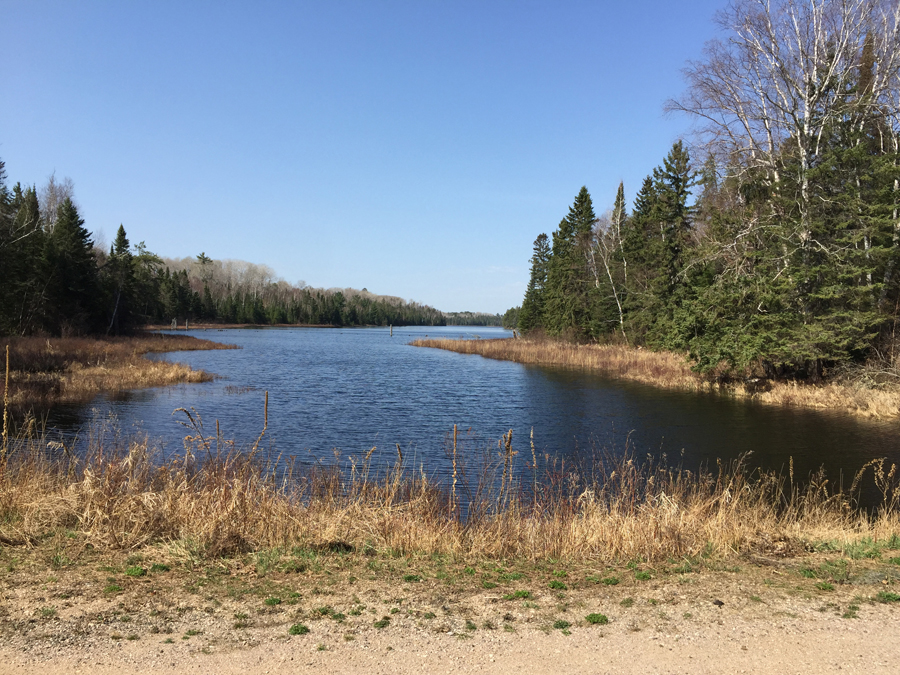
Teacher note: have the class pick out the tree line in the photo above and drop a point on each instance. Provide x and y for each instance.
(778, 247)
(57, 282)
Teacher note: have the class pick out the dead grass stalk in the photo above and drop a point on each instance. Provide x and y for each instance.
(216, 500)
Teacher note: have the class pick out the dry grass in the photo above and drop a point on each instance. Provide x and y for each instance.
(45, 371)
(218, 501)
(673, 371)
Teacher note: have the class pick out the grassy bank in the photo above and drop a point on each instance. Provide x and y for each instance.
(673, 371)
(220, 501)
(47, 371)
(217, 548)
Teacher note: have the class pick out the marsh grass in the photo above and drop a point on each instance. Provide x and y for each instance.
(673, 371)
(216, 499)
(45, 371)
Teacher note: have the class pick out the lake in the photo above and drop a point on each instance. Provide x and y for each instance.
(353, 389)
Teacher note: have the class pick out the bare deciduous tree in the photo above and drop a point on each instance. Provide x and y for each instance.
(52, 195)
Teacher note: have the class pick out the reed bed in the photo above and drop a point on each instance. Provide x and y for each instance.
(45, 371)
(220, 500)
(673, 371)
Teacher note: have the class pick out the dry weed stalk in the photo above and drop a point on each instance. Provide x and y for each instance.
(216, 500)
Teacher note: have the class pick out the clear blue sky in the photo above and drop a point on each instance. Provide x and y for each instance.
(412, 148)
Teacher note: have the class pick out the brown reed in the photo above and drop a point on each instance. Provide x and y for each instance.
(45, 371)
(214, 499)
(673, 371)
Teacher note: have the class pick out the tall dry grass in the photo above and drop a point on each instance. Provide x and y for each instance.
(673, 371)
(123, 494)
(45, 371)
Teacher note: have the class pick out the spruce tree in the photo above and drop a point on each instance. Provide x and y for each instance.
(569, 300)
(120, 278)
(531, 315)
(71, 273)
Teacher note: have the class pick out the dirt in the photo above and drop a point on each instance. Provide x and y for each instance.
(817, 614)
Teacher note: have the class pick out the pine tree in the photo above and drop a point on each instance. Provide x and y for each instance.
(121, 280)
(71, 272)
(531, 315)
(569, 300)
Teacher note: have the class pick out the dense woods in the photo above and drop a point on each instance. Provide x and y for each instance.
(57, 282)
(773, 242)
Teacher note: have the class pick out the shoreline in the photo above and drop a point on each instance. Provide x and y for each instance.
(50, 371)
(668, 370)
(237, 326)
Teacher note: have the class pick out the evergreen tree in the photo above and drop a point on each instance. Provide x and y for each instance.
(71, 273)
(568, 295)
(120, 277)
(531, 315)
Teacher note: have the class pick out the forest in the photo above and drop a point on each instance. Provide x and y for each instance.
(58, 282)
(770, 242)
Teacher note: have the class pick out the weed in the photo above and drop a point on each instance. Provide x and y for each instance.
(600, 619)
(132, 636)
(561, 624)
(412, 578)
(887, 596)
(517, 595)
(156, 568)
(825, 586)
(510, 576)
(136, 571)
(298, 629)
(59, 561)
(321, 648)
(383, 622)
(627, 602)
(643, 576)
(192, 632)
(113, 588)
(488, 584)
(48, 612)
(470, 626)
(560, 573)
(610, 581)
(272, 602)
(428, 615)
(558, 585)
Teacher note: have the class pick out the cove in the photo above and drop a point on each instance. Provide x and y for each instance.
(348, 390)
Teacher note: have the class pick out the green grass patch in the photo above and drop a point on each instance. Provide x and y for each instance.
(136, 571)
(887, 596)
(561, 624)
(298, 629)
(272, 602)
(643, 576)
(558, 585)
(597, 619)
(517, 595)
(610, 581)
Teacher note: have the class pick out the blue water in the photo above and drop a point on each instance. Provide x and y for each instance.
(345, 391)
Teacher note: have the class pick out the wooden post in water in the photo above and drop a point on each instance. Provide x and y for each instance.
(392, 330)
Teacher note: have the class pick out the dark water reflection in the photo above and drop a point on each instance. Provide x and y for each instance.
(351, 389)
